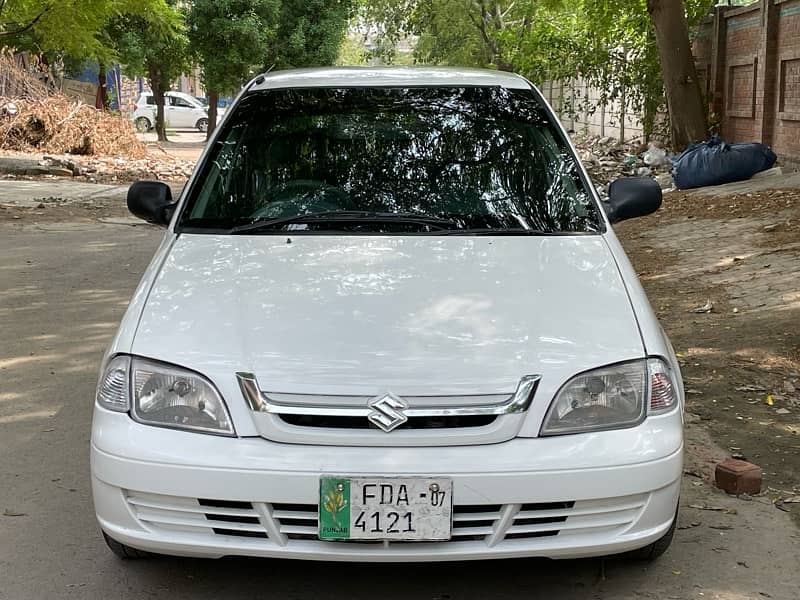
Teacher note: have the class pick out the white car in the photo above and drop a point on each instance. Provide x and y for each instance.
(389, 320)
(181, 111)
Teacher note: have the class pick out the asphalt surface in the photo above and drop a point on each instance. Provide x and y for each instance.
(63, 289)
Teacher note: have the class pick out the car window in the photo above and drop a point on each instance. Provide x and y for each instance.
(478, 157)
(150, 100)
(178, 101)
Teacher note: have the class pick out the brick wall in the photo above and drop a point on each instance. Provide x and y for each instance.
(786, 137)
(748, 64)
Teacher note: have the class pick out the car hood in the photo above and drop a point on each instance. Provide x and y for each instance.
(424, 315)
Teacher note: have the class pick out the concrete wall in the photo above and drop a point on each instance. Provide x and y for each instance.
(581, 110)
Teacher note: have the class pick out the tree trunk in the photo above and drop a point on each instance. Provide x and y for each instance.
(213, 98)
(157, 85)
(685, 104)
(102, 88)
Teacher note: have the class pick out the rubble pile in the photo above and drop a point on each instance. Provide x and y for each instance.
(607, 159)
(102, 169)
(57, 124)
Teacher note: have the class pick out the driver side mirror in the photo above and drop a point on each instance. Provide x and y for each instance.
(631, 197)
(151, 201)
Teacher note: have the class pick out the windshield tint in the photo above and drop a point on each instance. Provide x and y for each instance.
(475, 158)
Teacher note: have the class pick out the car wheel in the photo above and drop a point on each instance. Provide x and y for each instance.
(202, 125)
(122, 551)
(143, 125)
(657, 548)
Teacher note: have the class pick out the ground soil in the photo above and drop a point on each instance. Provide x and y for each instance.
(741, 361)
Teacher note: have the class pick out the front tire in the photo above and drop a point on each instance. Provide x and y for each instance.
(202, 125)
(122, 551)
(143, 125)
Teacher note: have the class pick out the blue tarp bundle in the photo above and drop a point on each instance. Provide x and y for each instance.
(715, 162)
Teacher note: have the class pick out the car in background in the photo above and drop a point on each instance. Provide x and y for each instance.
(181, 111)
(222, 104)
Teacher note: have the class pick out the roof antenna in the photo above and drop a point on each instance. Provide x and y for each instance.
(260, 78)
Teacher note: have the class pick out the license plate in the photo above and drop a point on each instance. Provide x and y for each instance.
(385, 508)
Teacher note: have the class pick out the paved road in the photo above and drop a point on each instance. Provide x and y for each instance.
(47, 191)
(63, 288)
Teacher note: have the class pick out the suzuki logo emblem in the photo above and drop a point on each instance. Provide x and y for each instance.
(387, 411)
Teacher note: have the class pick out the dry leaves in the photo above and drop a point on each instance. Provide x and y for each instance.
(57, 124)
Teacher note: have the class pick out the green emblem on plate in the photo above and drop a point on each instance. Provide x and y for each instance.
(334, 509)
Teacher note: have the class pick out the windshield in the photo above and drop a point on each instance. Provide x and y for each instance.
(390, 160)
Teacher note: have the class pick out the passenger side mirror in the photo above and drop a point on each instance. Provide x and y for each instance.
(151, 201)
(631, 197)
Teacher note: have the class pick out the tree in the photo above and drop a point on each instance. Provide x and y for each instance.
(463, 32)
(155, 46)
(609, 44)
(75, 29)
(685, 103)
(230, 38)
(308, 33)
(75, 33)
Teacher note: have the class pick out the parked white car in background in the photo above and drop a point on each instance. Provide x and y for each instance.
(389, 307)
(181, 111)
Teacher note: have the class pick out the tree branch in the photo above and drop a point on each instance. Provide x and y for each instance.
(481, 25)
(504, 13)
(25, 27)
(491, 44)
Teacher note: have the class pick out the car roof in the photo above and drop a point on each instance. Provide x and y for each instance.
(169, 93)
(388, 77)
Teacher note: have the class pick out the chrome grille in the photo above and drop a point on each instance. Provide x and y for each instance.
(412, 423)
(374, 421)
(357, 406)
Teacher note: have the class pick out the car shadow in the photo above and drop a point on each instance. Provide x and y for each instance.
(275, 578)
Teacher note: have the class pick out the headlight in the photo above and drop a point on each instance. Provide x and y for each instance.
(613, 397)
(163, 395)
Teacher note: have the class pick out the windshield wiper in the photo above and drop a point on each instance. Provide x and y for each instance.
(491, 231)
(346, 216)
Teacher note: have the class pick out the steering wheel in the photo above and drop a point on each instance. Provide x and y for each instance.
(301, 196)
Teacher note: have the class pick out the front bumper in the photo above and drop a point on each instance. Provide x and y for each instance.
(564, 497)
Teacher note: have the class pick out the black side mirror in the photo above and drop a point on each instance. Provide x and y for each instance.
(151, 201)
(632, 197)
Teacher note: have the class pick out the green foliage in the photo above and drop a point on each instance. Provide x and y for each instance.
(447, 36)
(610, 44)
(351, 52)
(143, 44)
(230, 37)
(73, 28)
(462, 32)
(308, 33)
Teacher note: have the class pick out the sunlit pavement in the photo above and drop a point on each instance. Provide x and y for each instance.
(176, 136)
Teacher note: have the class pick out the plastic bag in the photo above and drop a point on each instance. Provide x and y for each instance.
(715, 162)
(655, 156)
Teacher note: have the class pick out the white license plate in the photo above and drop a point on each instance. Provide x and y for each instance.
(385, 508)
